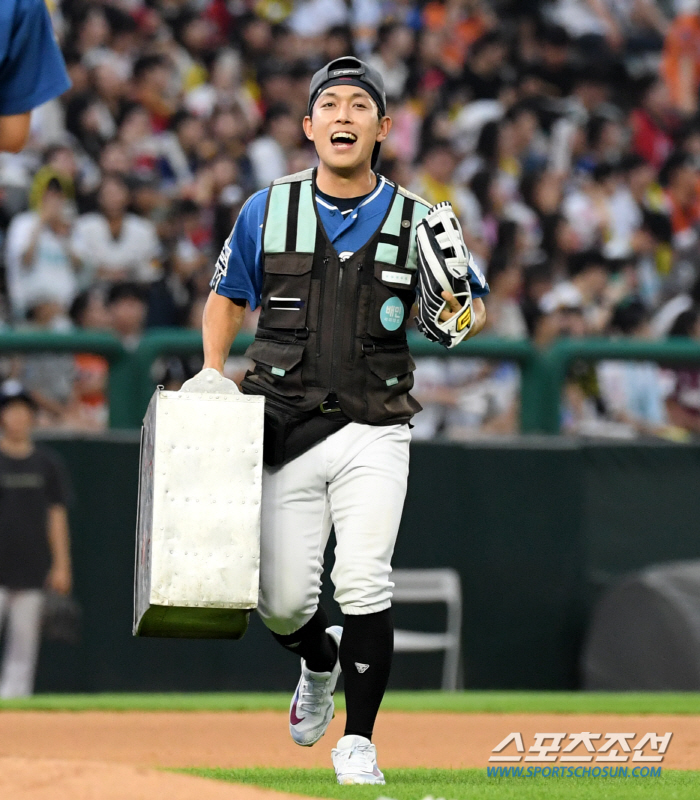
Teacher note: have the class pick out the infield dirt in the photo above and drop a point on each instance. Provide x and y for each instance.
(105, 756)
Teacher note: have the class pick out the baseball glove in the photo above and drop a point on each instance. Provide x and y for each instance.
(443, 265)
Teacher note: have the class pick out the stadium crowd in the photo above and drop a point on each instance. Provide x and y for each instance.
(566, 135)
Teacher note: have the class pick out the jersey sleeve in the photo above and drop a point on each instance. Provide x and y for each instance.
(239, 270)
(477, 281)
(33, 70)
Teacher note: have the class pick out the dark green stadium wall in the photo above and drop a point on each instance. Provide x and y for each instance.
(536, 528)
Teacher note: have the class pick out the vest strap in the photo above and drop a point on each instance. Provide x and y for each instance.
(292, 217)
(406, 230)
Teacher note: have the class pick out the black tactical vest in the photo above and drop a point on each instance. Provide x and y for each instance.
(332, 327)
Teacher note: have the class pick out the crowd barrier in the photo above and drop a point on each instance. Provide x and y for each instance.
(543, 372)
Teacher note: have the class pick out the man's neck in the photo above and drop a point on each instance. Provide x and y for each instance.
(352, 185)
(16, 448)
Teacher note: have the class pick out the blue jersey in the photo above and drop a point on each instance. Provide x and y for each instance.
(239, 270)
(32, 69)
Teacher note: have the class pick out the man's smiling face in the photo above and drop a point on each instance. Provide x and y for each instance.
(344, 127)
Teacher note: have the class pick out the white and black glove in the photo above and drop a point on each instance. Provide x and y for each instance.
(443, 266)
(210, 381)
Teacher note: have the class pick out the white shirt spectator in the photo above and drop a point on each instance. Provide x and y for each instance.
(394, 77)
(268, 160)
(50, 276)
(135, 249)
(315, 17)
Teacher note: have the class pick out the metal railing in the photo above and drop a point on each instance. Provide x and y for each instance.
(122, 412)
(543, 372)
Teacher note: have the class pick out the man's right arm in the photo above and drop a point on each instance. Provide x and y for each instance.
(222, 320)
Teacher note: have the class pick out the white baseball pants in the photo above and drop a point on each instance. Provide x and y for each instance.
(355, 480)
(23, 612)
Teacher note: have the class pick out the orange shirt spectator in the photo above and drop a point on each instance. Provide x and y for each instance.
(681, 62)
(459, 25)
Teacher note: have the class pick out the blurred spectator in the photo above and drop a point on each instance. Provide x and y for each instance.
(395, 46)
(652, 124)
(89, 410)
(34, 537)
(269, 154)
(632, 391)
(585, 291)
(127, 309)
(49, 377)
(39, 259)
(681, 64)
(504, 315)
(683, 398)
(114, 244)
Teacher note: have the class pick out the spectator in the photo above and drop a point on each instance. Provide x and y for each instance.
(395, 46)
(683, 398)
(269, 154)
(504, 315)
(40, 262)
(114, 244)
(89, 410)
(585, 291)
(632, 391)
(653, 123)
(49, 377)
(484, 73)
(34, 538)
(681, 62)
(679, 177)
(127, 311)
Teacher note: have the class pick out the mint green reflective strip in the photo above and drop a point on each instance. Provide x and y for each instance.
(278, 371)
(387, 253)
(392, 381)
(306, 221)
(419, 212)
(276, 224)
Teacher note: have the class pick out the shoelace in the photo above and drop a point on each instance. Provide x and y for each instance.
(361, 757)
(311, 695)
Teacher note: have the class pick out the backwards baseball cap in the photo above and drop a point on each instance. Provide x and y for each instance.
(350, 71)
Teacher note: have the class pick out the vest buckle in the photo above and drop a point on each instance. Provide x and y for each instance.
(368, 347)
(301, 333)
(330, 404)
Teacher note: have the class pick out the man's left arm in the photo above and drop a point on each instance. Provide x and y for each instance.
(60, 577)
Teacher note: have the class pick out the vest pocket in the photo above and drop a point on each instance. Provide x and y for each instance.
(277, 366)
(392, 371)
(393, 294)
(286, 290)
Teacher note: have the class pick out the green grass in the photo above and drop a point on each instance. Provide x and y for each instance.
(464, 784)
(462, 702)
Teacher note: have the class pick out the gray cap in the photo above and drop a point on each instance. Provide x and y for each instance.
(350, 71)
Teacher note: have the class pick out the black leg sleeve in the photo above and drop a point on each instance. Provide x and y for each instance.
(312, 643)
(366, 650)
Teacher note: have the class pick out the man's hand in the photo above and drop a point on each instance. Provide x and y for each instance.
(14, 132)
(453, 307)
(60, 579)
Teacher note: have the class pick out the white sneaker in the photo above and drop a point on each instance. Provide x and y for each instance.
(355, 761)
(312, 707)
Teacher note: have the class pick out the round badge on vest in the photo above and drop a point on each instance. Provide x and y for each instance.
(391, 314)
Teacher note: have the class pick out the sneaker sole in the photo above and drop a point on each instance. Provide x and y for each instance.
(352, 781)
